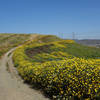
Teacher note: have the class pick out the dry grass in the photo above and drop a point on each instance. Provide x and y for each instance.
(8, 41)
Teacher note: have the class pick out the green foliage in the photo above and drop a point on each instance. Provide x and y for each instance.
(60, 50)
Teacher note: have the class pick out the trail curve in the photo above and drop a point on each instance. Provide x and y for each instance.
(12, 86)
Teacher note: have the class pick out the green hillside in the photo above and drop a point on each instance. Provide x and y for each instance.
(59, 50)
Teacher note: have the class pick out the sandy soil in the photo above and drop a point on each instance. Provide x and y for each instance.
(12, 86)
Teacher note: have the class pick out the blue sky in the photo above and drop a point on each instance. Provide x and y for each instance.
(59, 17)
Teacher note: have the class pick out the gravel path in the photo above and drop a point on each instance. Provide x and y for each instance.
(12, 86)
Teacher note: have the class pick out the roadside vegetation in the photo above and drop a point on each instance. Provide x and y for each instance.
(63, 69)
(8, 41)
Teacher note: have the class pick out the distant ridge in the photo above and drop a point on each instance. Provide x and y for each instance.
(89, 42)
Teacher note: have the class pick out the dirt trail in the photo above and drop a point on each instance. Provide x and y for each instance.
(12, 86)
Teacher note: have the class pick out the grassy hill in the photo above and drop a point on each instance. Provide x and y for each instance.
(8, 41)
(62, 68)
(58, 50)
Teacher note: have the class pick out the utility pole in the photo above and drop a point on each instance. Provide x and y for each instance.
(73, 35)
(61, 34)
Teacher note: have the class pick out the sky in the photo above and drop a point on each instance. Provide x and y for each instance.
(59, 17)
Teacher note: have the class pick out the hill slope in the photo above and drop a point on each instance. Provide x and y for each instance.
(62, 68)
(8, 41)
